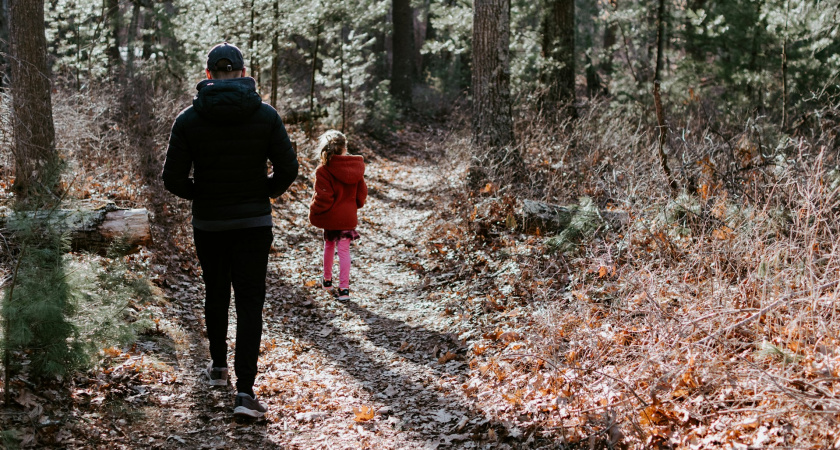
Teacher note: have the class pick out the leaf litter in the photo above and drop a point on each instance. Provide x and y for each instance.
(441, 346)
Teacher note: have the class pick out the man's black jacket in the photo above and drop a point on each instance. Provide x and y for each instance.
(226, 136)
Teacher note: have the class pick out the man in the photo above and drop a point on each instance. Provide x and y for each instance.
(225, 137)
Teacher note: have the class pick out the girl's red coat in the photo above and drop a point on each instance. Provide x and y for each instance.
(340, 190)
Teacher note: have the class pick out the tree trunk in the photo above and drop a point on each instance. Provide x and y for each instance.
(430, 35)
(341, 75)
(37, 164)
(148, 27)
(131, 39)
(253, 37)
(114, 30)
(593, 81)
(660, 40)
(609, 49)
(4, 39)
(275, 56)
(403, 66)
(492, 132)
(95, 230)
(663, 134)
(784, 68)
(754, 51)
(312, 80)
(558, 46)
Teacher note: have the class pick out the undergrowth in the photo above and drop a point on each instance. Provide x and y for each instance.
(710, 319)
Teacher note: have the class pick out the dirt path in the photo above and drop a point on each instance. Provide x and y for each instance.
(380, 350)
(325, 366)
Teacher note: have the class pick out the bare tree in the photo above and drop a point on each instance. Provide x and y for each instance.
(493, 138)
(37, 164)
(403, 67)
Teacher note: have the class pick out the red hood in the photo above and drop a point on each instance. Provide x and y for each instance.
(349, 169)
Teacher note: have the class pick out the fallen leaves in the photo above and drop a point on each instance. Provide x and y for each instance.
(364, 413)
(448, 356)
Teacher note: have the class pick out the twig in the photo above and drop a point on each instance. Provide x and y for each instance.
(767, 308)
(660, 119)
(719, 313)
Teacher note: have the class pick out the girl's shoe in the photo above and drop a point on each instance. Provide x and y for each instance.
(343, 294)
(326, 284)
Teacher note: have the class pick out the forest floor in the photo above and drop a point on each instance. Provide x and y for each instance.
(395, 367)
(463, 331)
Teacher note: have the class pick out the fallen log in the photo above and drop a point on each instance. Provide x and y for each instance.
(551, 219)
(94, 230)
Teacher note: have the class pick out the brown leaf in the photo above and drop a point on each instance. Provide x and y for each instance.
(364, 413)
(405, 346)
(449, 356)
(494, 335)
(509, 337)
(27, 399)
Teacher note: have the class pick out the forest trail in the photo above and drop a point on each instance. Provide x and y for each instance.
(384, 370)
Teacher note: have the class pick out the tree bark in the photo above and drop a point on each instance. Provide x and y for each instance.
(403, 67)
(275, 56)
(593, 81)
(558, 47)
(660, 41)
(784, 68)
(253, 39)
(95, 230)
(37, 164)
(341, 76)
(430, 35)
(492, 132)
(131, 39)
(663, 134)
(312, 80)
(114, 29)
(147, 27)
(4, 39)
(609, 48)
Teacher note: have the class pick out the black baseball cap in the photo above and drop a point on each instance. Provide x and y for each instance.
(225, 51)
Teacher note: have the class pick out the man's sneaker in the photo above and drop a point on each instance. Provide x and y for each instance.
(326, 284)
(247, 406)
(343, 294)
(216, 376)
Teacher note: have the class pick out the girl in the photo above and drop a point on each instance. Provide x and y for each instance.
(339, 191)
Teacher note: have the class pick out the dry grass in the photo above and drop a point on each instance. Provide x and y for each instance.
(712, 320)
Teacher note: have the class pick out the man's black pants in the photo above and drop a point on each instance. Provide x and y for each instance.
(237, 258)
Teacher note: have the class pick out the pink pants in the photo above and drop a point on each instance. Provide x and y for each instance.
(343, 261)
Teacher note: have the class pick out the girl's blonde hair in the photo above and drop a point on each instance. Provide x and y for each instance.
(331, 143)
